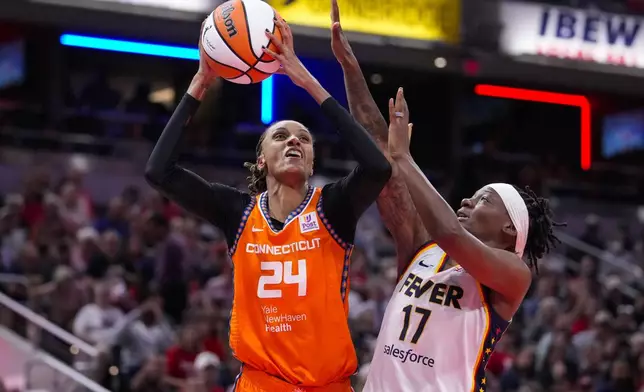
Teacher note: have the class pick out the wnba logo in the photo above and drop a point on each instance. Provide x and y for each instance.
(309, 222)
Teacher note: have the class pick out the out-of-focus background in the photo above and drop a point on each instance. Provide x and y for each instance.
(106, 285)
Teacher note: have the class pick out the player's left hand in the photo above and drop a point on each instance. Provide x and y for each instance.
(290, 63)
(339, 42)
(399, 126)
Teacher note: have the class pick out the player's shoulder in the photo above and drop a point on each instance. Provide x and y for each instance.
(426, 249)
(232, 194)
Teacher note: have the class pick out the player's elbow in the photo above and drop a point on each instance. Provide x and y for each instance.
(382, 170)
(522, 279)
(153, 175)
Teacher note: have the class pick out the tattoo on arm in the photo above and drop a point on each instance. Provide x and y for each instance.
(362, 105)
(394, 203)
(401, 219)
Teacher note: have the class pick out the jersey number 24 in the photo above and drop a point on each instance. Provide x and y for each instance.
(281, 272)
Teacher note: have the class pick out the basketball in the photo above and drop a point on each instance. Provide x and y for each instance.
(232, 39)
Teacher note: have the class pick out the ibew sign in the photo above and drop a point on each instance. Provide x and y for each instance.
(590, 35)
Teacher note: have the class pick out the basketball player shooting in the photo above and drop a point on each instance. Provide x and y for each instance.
(290, 243)
(467, 282)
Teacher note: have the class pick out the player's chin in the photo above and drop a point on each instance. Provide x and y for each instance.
(294, 171)
(465, 223)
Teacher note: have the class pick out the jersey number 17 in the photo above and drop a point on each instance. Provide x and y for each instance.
(424, 316)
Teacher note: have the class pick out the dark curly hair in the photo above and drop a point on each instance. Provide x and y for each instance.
(257, 177)
(541, 236)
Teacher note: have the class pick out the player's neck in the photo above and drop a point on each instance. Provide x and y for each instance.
(283, 199)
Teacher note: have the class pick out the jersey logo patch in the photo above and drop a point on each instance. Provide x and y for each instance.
(309, 222)
(422, 264)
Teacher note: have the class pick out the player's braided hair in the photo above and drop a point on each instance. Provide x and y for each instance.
(541, 237)
(257, 178)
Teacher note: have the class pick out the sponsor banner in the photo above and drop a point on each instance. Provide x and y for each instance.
(589, 35)
(430, 20)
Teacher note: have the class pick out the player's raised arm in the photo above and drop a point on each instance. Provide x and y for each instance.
(370, 159)
(500, 270)
(216, 203)
(394, 203)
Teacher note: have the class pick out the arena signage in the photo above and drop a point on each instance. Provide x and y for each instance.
(589, 35)
(429, 20)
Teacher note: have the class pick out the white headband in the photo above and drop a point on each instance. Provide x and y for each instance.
(518, 212)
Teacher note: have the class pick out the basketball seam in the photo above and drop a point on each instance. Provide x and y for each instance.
(226, 65)
(226, 42)
(250, 37)
(257, 70)
(259, 59)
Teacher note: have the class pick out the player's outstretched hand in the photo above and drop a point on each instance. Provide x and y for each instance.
(205, 77)
(290, 64)
(339, 42)
(399, 126)
(207, 73)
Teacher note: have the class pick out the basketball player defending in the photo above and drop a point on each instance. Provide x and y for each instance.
(290, 243)
(457, 293)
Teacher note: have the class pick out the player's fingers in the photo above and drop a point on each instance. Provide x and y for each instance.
(399, 100)
(392, 110)
(279, 43)
(410, 129)
(404, 102)
(335, 11)
(274, 55)
(285, 30)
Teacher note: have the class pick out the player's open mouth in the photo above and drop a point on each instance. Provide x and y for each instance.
(461, 216)
(293, 153)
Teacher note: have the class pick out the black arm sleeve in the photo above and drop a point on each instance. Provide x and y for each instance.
(219, 204)
(344, 202)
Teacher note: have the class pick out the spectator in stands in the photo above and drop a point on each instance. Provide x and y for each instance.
(131, 198)
(207, 374)
(36, 186)
(151, 377)
(13, 233)
(87, 255)
(147, 336)
(116, 218)
(98, 322)
(74, 208)
(169, 262)
(51, 228)
(210, 325)
(63, 297)
(181, 357)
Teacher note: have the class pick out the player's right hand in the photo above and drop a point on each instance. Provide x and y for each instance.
(399, 126)
(207, 74)
(339, 42)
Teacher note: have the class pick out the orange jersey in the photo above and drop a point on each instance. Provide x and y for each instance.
(290, 307)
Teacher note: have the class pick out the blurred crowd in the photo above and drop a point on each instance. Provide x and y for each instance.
(146, 285)
(150, 287)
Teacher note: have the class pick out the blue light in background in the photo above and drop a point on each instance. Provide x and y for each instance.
(116, 45)
(149, 49)
(267, 100)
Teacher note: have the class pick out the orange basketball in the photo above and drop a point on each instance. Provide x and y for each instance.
(233, 37)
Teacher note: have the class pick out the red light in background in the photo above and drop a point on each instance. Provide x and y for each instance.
(579, 101)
